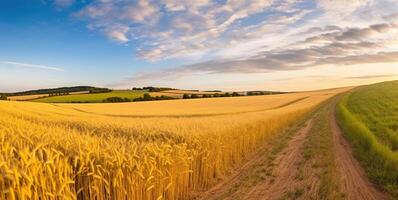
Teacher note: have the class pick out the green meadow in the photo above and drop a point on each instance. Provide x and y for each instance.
(91, 98)
(369, 118)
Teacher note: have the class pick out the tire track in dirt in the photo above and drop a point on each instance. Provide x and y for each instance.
(285, 170)
(353, 181)
(258, 168)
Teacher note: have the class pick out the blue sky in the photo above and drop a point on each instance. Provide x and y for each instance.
(43, 34)
(201, 44)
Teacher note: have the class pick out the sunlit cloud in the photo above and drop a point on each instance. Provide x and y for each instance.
(247, 37)
(372, 76)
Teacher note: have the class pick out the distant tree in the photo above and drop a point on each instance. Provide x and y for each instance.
(186, 96)
(213, 91)
(194, 96)
(226, 95)
(99, 90)
(252, 93)
(206, 96)
(115, 100)
(3, 97)
(235, 94)
(147, 97)
(156, 89)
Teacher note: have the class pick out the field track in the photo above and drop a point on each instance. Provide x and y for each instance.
(222, 188)
(285, 170)
(354, 182)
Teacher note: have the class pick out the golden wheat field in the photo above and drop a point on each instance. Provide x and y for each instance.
(146, 150)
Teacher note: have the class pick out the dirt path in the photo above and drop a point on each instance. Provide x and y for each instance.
(313, 161)
(285, 170)
(258, 168)
(353, 181)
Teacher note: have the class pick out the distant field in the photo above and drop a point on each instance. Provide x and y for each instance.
(174, 95)
(190, 92)
(200, 107)
(91, 98)
(26, 97)
(369, 118)
(81, 92)
(38, 96)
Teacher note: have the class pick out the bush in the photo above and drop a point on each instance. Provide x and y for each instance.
(3, 97)
(99, 90)
(186, 96)
(226, 95)
(116, 100)
(156, 89)
(235, 94)
(148, 97)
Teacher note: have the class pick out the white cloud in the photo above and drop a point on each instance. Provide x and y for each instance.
(118, 33)
(142, 11)
(342, 6)
(34, 66)
(238, 36)
(180, 5)
(192, 27)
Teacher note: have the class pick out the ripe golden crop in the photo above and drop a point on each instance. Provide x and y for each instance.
(147, 150)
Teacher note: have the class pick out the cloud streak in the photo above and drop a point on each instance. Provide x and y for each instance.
(372, 76)
(34, 66)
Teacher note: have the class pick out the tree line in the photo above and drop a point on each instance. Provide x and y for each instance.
(61, 90)
(146, 97)
(153, 89)
(227, 94)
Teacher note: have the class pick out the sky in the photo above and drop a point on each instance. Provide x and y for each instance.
(286, 45)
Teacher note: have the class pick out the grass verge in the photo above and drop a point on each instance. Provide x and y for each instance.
(378, 160)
